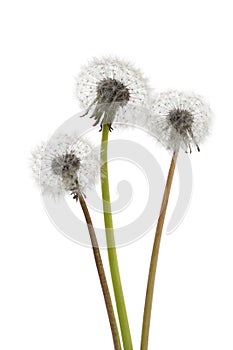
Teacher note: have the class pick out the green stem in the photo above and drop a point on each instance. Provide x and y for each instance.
(112, 254)
(102, 276)
(154, 256)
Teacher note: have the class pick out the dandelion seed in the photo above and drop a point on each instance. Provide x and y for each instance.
(65, 164)
(107, 87)
(179, 119)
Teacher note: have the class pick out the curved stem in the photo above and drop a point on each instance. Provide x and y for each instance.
(154, 256)
(102, 276)
(112, 254)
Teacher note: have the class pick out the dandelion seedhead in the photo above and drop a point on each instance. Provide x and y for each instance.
(111, 90)
(107, 86)
(66, 164)
(179, 119)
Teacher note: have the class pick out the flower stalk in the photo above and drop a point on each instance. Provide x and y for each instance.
(102, 276)
(112, 254)
(155, 254)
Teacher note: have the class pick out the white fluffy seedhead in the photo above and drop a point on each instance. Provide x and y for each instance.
(65, 164)
(179, 119)
(107, 86)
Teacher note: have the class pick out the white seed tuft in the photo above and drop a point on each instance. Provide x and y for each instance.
(65, 164)
(179, 119)
(106, 87)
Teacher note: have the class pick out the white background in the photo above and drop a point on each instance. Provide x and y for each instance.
(50, 294)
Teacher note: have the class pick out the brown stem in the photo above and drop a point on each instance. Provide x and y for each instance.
(102, 276)
(154, 256)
